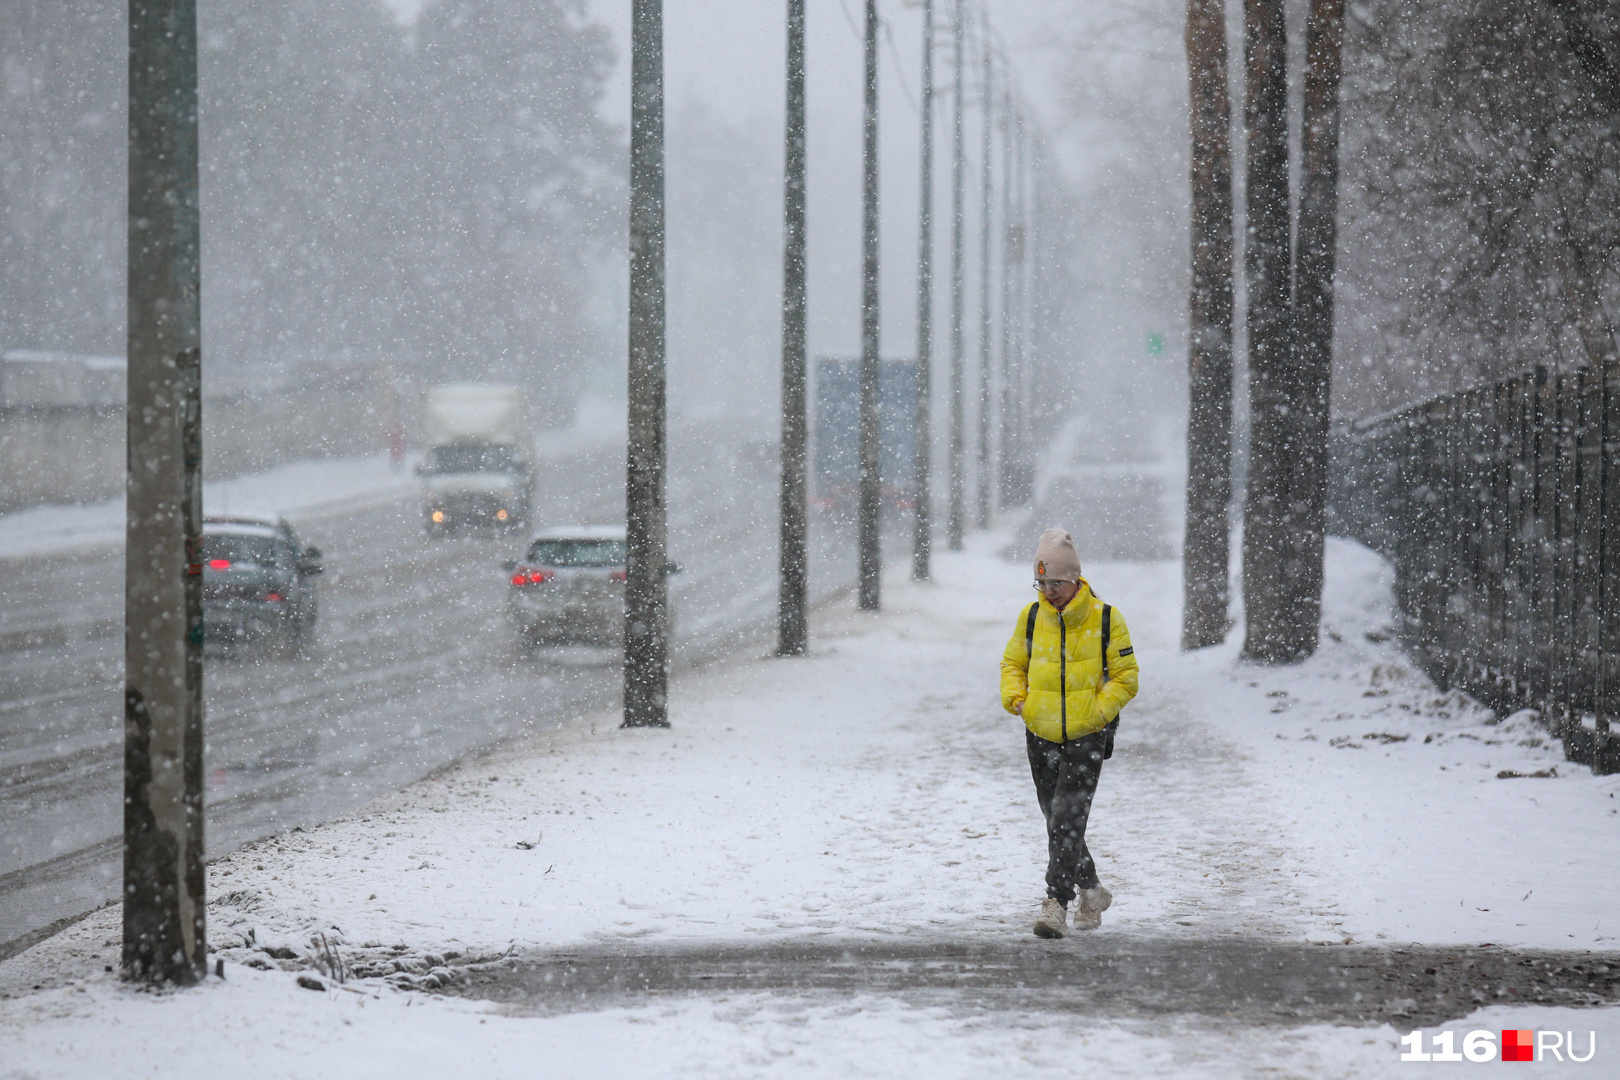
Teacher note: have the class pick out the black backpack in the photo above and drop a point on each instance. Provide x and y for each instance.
(1107, 619)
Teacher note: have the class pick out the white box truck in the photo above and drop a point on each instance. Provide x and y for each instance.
(479, 470)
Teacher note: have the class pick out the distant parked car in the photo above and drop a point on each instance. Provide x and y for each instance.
(258, 584)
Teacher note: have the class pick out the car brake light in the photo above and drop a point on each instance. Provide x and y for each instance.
(219, 564)
(532, 577)
(620, 575)
(273, 597)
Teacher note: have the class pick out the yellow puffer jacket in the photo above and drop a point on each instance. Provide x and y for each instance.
(1058, 682)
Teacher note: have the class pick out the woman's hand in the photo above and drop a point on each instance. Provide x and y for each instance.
(1018, 709)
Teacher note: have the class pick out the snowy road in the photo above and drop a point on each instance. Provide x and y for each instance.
(414, 665)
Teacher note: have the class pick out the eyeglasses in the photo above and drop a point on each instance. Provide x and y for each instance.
(1051, 583)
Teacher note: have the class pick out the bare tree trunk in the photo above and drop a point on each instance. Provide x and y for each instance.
(1205, 549)
(1313, 309)
(871, 555)
(164, 881)
(1270, 558)
(792, 620)
(923, 538)
(646, 594)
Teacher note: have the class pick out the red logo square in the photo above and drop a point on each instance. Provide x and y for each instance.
(1518, 1046)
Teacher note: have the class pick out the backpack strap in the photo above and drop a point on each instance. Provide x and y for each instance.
(1029, 631)
(1108, 615)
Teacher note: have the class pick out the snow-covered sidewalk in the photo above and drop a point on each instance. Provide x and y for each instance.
(877, 791)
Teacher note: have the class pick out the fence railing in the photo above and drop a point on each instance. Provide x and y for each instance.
(1499, 507)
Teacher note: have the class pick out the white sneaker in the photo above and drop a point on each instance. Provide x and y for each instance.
(1092, 903)
(1053, 921)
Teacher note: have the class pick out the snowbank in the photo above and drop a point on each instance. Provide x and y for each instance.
(297, 489)
(876, 790)
(307, 488)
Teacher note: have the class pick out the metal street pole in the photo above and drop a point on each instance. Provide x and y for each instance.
(922, 541)
(792, 620)
(646, 594)
(164, 903)
(987, 107)
(953, 519)
(871, 556)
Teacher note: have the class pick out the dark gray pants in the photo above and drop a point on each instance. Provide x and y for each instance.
(1065, 782)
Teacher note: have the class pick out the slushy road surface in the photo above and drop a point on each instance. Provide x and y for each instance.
(413, 664)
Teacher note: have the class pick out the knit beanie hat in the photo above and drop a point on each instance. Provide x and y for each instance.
(1055, 557)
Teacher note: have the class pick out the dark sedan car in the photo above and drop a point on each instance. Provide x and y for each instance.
(258, 585)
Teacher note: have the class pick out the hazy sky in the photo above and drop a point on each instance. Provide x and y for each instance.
(727, 58)
(728, 55)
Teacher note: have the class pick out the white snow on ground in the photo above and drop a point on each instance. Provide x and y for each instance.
(299, 488)
(304, 488)
(876, 789)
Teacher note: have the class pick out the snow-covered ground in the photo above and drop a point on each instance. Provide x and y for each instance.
(876, 791)
(305, 488)
(298, 488)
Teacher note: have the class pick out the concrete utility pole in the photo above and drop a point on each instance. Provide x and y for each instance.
(1036, 362)
(792, 620)
(646, 594)
(1007, 460)
(987, 107)
(164, 903)
(871, 557)
(1023, 483)
(953, 520)
(922, 541)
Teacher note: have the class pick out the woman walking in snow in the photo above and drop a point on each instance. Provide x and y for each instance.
(1067, 671)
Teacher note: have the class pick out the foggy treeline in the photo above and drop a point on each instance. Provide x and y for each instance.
(1481, 194)
(444, 196)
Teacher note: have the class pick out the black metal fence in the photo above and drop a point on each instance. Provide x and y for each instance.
(1498, 507)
